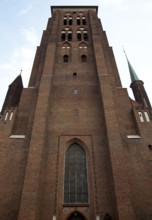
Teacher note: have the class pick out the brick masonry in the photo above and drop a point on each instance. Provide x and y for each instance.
(89, 108)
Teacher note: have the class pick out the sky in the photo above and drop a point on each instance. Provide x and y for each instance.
(128, 25)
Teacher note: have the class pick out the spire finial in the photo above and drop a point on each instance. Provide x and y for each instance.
(133, 75)
(21, 72)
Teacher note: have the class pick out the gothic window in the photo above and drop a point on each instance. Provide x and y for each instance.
(83, 58)
(6, 116)
(69, 35)
(85, 35)
(63, 36)
(70, 21)
(74, 75)
(75, 179)
(84, 21)
(147, 116)
(141, 116)
(11, 116)
(78, 21)
(66, 35)
(79, 36)
(82, 34)
(65, 58)
(65, 21)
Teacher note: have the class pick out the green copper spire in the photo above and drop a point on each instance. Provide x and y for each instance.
(133, 74)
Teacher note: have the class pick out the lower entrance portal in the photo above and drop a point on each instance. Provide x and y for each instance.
(76, 216)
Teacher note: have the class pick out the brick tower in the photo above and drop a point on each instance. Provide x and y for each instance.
(75, 146)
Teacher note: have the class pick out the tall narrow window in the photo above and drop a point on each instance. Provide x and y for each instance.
(70, 21)
(75, 179)
(78, 21)
(84, 21)
(147, 116)
(11, 116)
(65, 22)
(79, 37)
(141, 116)
(63, 36)
(83, 58)
(69, 35)
(6, 116)
(85, 35)
(66, 58)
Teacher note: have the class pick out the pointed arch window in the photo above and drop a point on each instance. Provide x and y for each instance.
(83, 58)
(65, 21)
(79, 36)
(63, 36)
(65, 58)
(75, 179)
(78, 21)
(85, 35)
(84, 21)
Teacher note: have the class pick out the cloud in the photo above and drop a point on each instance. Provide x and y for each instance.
(21, 57)
(25, 10)
(29, 35)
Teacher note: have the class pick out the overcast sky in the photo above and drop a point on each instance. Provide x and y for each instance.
(128, 24)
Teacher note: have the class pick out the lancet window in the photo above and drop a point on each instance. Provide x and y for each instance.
(75, 179)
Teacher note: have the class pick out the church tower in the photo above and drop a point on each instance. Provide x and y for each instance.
(76, 146)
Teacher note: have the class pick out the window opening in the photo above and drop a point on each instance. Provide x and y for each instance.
(74, 75)
(6, 116)
(150, 147)
(147, 116)
(63, 36)
(84, 21)
(66, 58)
(79, 37)
(75, 179)
(141, 116)
(83, 58)
(69, 36)
(11, 116)
(107, 217)
(75, 92)
(70, 21)
(85, 36)
(78, 21)
(65, 22)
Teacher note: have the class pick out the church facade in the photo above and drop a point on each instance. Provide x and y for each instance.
(73, 145)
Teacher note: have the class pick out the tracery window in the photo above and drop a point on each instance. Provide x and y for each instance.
(67, 20)
(66, 35)
(82, 34)
(75, 179)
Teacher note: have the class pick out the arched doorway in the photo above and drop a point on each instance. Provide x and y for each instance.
(76, 216)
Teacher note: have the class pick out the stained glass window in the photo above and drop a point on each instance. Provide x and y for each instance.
(75, 179)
